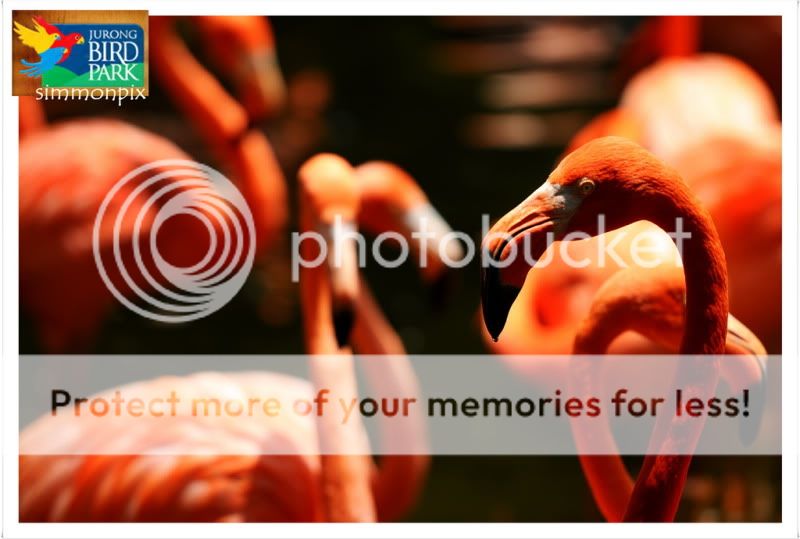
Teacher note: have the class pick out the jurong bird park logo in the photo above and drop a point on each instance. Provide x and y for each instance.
(80, 54)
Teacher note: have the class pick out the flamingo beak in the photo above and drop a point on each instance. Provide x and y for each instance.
(342, 259)
(513, 246)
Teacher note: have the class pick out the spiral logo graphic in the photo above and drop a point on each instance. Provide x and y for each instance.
(128, 254)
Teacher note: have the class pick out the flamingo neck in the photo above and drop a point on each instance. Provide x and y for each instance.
(649, 302)
(217, 115)
(679, 36)
(705, 272)
(315, 299)
(399, 477)
(600, 328)
(222, 122)
(345, 467)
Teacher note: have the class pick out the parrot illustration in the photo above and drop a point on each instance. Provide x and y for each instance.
(52, 46)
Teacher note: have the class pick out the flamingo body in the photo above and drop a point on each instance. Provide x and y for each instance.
(232, 469)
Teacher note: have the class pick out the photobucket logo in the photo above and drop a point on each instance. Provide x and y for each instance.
(128, 223)
(630, 246)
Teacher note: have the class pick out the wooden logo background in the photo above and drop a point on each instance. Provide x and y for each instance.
(23, 85)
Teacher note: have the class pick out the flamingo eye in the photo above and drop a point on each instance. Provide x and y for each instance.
(586, 186)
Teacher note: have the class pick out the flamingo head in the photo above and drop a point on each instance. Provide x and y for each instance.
(243, 50)
(393, 206)
(597, 188)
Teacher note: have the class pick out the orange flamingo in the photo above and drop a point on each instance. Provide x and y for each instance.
(243, 50)
(249, 468)
(650, 302)
(602, 177)
(381, 197)
(247, 487)
(220, 119)
(329, 193)
(712, 119)
(66, 170)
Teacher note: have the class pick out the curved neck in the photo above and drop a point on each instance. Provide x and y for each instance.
(315, 297)
(223, 124)
(372, 332)
(661, 197)
(705, 273)
(346, 467)
(649, 302)
(669, 203)
(217, 115)
(400, 477)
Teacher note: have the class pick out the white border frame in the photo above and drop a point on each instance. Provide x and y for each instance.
(9, 337)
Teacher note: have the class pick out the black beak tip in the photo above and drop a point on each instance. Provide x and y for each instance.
(496, 302)
(343, 320)
(494, 324)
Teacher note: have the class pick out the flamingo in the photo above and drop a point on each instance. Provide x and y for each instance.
(333, 197)
(329, 192)
(619, 179)
(650, 302)
(216, 470)
(67, 169)
(711, 118)
(220, 119)
(216, 485)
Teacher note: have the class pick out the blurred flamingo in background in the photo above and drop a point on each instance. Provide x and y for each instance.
(66, 170)
(283, 484)
(392, 201)
(650, 302)
(657, 37)
(333, 198)
(329, 205)
(244, 51)
(617, 178)
(232, 469)
(715, 120)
